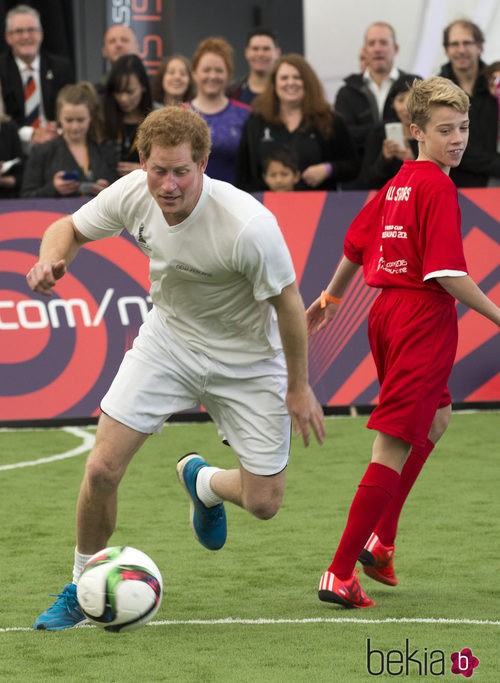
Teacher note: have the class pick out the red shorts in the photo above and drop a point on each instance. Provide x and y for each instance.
(413, 338)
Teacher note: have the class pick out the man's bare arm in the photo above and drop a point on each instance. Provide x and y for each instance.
(59, 246)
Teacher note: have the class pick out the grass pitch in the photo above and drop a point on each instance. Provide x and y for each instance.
(249, 612)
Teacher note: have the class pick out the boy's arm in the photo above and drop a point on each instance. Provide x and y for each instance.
(465, 290)
(318, 317)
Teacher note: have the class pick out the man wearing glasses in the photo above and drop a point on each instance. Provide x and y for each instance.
(30, 77)
(463, 43)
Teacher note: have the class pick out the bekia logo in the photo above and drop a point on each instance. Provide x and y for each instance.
(464, 662)
(417, 661)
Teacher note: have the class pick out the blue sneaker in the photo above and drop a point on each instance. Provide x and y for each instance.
(65, 612)
(208, 524)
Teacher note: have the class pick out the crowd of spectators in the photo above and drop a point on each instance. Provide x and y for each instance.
(272, 130)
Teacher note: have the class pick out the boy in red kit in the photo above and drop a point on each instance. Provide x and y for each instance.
(408, 241)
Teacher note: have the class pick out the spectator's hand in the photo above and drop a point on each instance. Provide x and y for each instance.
(7, 180)
(315, 175)
(125, 167)
(64, 187)
(391, 150)
(46, 132)
(92, 189)
(43, 276)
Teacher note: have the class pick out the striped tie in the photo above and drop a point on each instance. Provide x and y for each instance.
(31, 102)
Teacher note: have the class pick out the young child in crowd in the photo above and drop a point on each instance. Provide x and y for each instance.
(281, 170)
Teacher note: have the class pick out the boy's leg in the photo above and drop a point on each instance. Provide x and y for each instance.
(387, 526)
(376, 489)
(378, 553)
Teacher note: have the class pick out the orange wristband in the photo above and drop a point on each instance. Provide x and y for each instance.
(326, 299)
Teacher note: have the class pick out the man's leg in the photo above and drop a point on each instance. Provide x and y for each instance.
(96, 512)
(97, 501)
(209, 487)
(259, 495)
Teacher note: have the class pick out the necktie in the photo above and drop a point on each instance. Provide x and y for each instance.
(31, 102)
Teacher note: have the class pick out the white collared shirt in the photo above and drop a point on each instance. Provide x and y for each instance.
(381, 91)
(25, 132)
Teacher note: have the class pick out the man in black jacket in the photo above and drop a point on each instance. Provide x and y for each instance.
(463, 43)
(366, 98)
(24, 35)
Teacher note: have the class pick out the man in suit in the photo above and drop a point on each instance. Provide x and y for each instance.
(25, 66)
(365, 98)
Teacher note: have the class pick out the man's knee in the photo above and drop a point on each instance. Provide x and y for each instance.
(263, 507)
(100, 474)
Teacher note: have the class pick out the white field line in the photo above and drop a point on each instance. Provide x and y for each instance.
(85, 446)
(315, 620)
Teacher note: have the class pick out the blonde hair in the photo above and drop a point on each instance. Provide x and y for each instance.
(216, 46)
(84, 93)
(172, 126)
(435, 91)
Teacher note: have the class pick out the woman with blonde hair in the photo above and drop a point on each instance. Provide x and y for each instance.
(78, 161)
(294, 112)
(213, 70)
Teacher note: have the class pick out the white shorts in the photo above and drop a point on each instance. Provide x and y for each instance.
(159, 377)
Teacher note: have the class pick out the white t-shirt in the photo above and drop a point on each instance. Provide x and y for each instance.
(211, 274)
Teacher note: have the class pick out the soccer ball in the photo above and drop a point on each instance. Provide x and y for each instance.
(120, 588)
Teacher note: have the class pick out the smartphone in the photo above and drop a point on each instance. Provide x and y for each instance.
(394, 131)
(86, 188)
(71, 175)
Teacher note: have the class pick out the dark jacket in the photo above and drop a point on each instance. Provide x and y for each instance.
(10, 149)
(376, 170)
(241, 92)
(481, 159)
(50, 157)
(358, 106)
(55, 71)
(259, 137)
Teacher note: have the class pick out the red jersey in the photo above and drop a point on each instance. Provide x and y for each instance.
(409, 231)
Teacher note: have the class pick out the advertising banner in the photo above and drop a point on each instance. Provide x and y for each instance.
(58, 355)
(150, 21)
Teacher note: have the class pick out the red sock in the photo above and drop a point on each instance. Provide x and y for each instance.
(374, 493)
(388, 524)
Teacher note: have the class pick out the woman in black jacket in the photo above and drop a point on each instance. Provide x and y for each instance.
(79, 161)
(294, 112)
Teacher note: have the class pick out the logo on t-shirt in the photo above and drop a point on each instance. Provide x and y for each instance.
(398, 194)
(141, 240)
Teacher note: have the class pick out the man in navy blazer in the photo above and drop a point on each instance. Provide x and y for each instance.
(24, 35)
